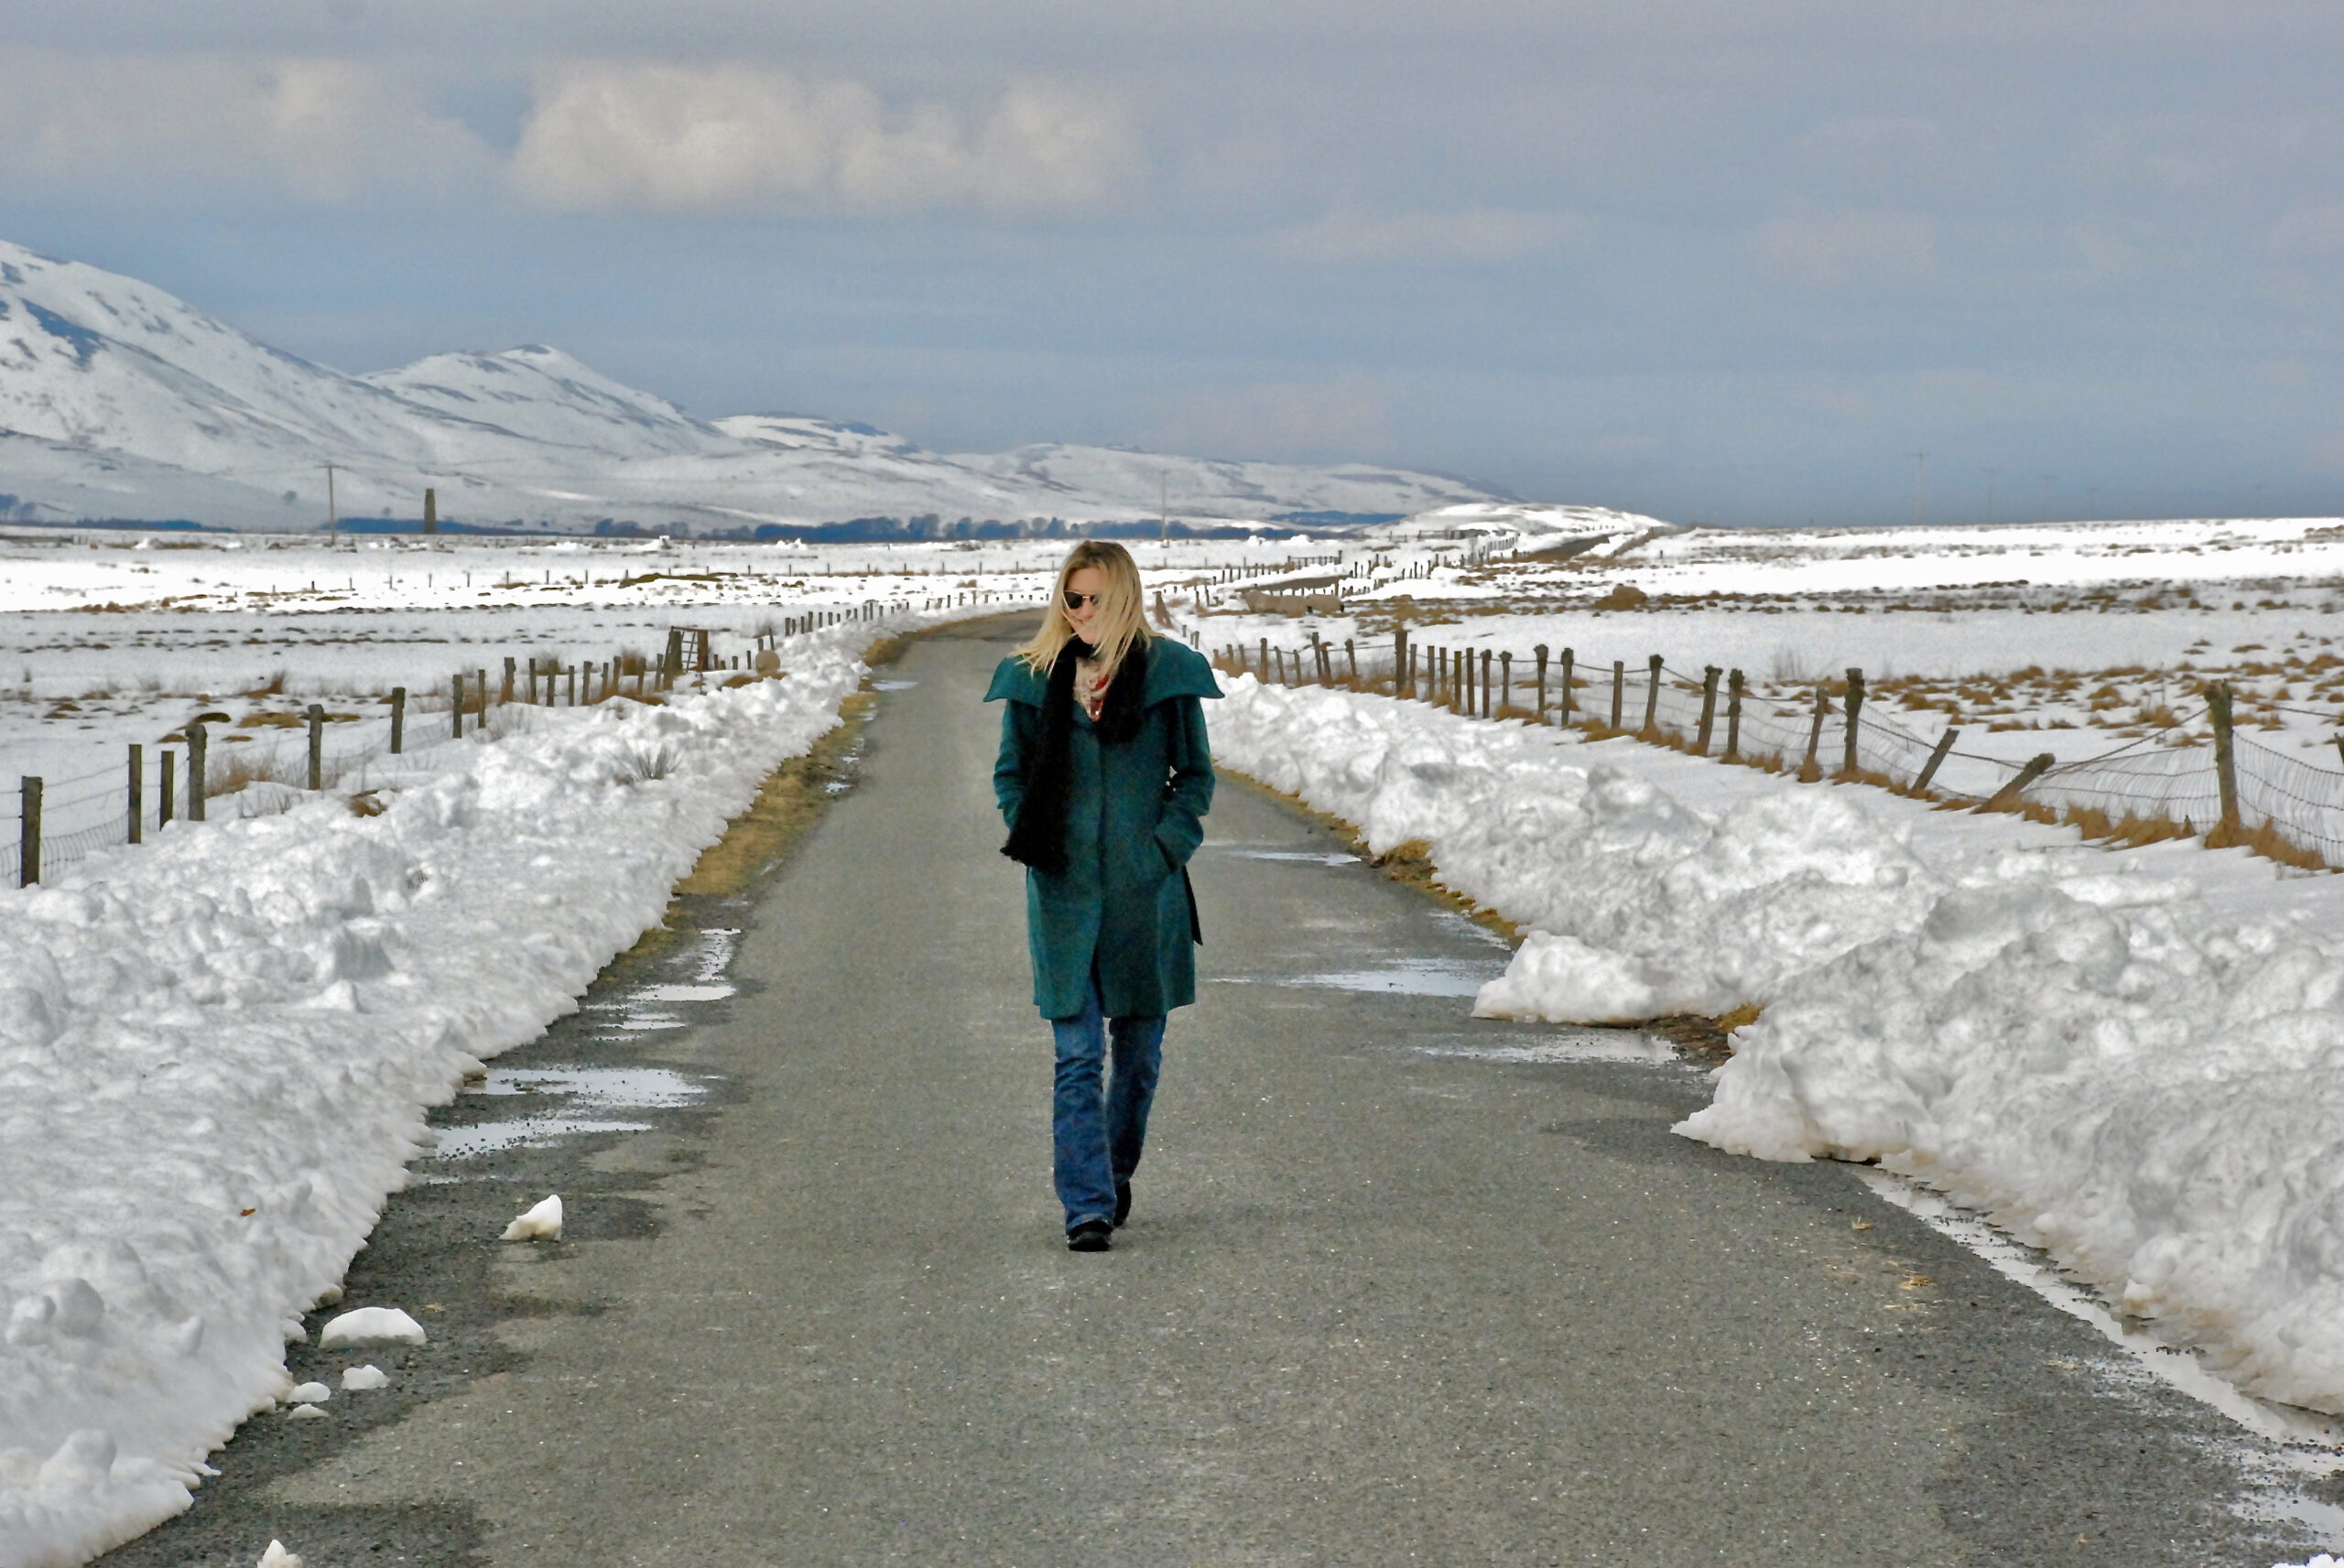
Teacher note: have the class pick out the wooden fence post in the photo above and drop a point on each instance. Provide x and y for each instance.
(1403, 673)
(1540, 653)
(398, 719)
(2007, 797)
(137, 794)
(1486, 709)
(2217, 709)
(1263, 672)
(1652, 696)
(1351, 656)
(480, 683)
(1708, 708)
(504, 692)
(457, 713)
(1815, 731)
(1733, 715)
(1505, 682)
(673, 664)
(168, 807)
(1855, 706)
(316, 746)
(196, 743)
(1937, 758)
(1568, 657)
(28, 832)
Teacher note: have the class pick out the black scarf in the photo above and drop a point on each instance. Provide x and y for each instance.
(1038, 838)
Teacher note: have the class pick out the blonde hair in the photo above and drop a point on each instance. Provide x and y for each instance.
(1120, 624)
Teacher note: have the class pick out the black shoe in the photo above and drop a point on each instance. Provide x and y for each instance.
(1091, 1236)
(1122, 1203)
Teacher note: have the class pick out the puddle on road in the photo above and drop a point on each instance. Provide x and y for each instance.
(592, 1093)
(1407, 977)
(1307, 856)
(1628, 1046)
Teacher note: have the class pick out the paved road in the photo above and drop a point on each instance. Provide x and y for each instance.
(1396, 1289)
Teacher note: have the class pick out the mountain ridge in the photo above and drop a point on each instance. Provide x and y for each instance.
(121, 402)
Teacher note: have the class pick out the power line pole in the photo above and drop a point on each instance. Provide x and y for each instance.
(1920, 473)
(1989, 474)
(332, 521)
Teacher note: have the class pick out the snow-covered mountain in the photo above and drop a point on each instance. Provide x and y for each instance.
(118, 401)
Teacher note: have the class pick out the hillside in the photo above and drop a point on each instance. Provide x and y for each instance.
(120, 402)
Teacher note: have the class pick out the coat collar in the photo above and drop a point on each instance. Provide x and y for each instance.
(1174, 669)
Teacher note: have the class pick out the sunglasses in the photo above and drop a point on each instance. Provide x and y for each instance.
(1077, 600)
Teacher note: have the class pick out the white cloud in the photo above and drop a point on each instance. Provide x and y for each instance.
(2309, 231)
(1835, 250)
(323, 130)
(668, 137)
(1467, 235)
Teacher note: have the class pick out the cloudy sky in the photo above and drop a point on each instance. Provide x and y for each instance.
(1711, 259)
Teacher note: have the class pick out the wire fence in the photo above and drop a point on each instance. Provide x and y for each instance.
(2195, 775)
(50, 824)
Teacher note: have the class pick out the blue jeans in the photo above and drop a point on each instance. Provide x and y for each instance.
(1097, 1136)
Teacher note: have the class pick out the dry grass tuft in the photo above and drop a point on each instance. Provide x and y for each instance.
(2266, 842)
(2131, 831)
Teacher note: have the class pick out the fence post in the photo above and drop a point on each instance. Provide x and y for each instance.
(1540, 653)
(1505, 682)
(1351, 654)
(2007, 797)
(457, 713)
(1564, 720)
(137, 794)
(1486, 709)
(1402, 674)
(1815, 731)
(673, 664)
(168, 807)
(29, 833)
(398, 719)
(1734, 717)
(196, 743)
(1651, 696)
(316, 746)
(480, 681)
(1708, 708)
(1855, 706)
(1619, 688)
(2217, 709)
(504, 692)
(1936, 756)
(1265, 672)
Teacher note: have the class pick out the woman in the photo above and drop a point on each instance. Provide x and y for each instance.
(1104, 778)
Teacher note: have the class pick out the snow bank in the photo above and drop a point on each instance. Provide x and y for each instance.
(216, 1054)
(2135, 1061)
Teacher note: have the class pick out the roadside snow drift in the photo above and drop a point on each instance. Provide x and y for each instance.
(216, 1054)
(2133, 1060)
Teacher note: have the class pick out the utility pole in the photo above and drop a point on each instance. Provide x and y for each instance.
(1920, 473)
(1989, 474)
(332, 521)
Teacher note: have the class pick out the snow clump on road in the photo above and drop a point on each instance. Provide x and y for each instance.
(217, 1052)
(2133, 1060)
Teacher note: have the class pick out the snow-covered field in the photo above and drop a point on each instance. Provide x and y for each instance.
(2128, 1058)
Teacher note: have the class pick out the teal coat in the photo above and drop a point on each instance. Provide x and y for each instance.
(1135, 813)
